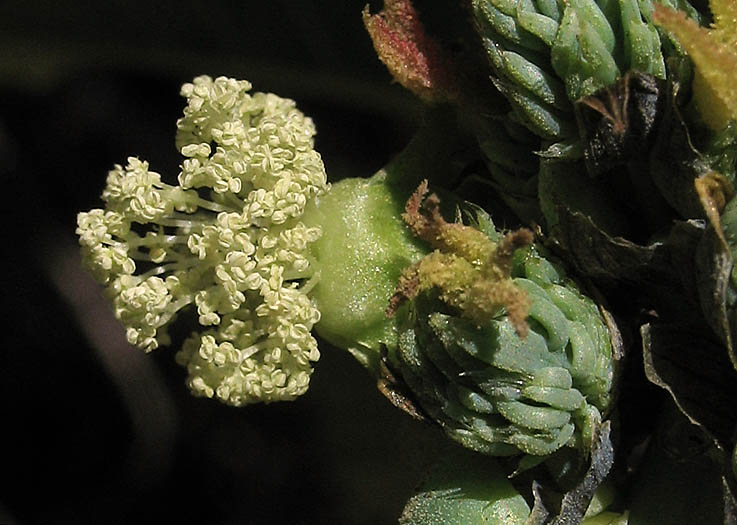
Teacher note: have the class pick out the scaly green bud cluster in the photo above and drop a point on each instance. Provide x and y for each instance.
(547, 54)
(500, 389)
(545, 58)
(227, 239)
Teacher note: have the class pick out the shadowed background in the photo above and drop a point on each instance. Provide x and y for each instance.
(93, 431)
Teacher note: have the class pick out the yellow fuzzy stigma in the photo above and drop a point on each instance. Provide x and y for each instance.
(471, 272)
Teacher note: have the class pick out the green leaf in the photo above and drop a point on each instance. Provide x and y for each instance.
(675, 163)
(566, 189)
(465, 489)
(714, 265)
(678, 481)
(697, 373)
(595, 253)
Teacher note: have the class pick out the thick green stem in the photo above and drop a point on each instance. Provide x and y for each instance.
(365, 245)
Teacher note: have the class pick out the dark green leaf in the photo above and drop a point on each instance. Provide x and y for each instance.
(683, 242)
(595, 253)
(679, 481)
(577, 500)
(675, 163)
(565, 188)
(698, 375)
(713, 269)
(696, 371)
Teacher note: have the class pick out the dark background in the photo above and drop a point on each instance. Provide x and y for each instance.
(93, 431)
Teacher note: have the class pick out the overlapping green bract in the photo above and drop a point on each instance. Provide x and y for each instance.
(226, 239)
(501, 394)
(547, 54)
(507, 148)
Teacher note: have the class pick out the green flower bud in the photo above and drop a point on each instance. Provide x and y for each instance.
(464, 488)
(587, 79)
(545, 55)
(493, 383)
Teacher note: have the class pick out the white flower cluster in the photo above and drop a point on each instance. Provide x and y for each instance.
(226, 239)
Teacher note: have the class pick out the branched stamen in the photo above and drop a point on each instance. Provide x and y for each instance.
(227, 239)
